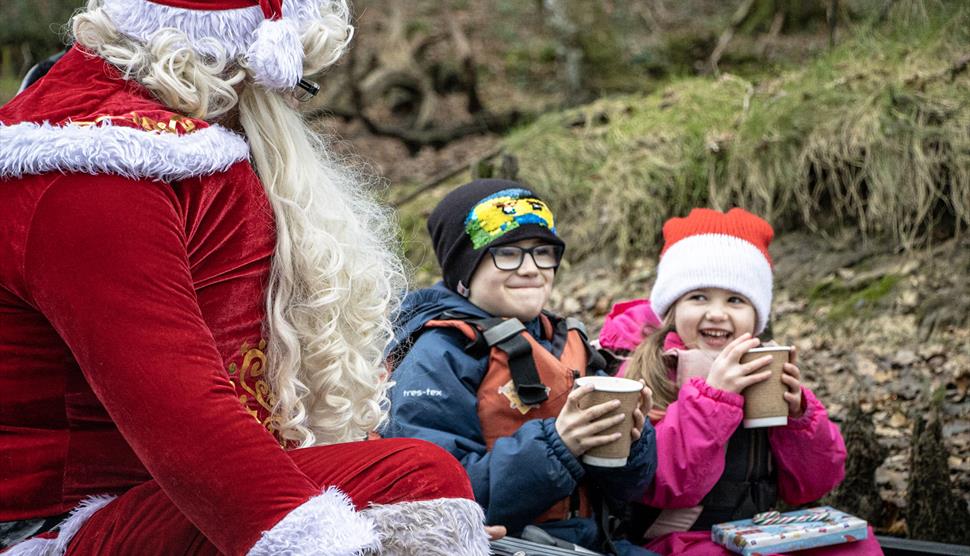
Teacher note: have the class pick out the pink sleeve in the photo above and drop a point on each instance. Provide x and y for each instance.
(623, 327)
(691, 441)
(810, 454)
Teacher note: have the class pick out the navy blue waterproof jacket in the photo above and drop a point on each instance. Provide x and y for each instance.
(434, 398)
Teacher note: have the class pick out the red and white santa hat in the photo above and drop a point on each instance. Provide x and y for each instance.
(264, 33)
(712, 249)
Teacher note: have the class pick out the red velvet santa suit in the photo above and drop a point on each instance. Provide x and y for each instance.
(135, 247)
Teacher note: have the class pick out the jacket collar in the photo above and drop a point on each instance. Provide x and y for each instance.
(422, 305)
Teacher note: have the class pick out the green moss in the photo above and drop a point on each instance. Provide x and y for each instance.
(862, 303)
(524, 60)
(878, 289)
(826, 290)
(8, 87)
(415, 243)
(418, 26)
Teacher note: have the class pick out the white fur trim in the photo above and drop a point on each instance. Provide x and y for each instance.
(713, 261)
(28, 148)
(325, 525)
(235, 34)
(441, 527)
(275, 58)
(211, 32)
(66, 530)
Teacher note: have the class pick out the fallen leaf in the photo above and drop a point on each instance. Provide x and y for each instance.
(866, 366)
(904, 358)
(888, 432)
(882, 377)
(898, 420)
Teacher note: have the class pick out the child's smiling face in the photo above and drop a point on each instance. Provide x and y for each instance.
(709, 318)
(520, 293)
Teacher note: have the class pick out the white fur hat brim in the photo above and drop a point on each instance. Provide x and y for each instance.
(714, 261)
(270, 49)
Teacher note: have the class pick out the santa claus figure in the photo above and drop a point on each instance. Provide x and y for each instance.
(194, 302)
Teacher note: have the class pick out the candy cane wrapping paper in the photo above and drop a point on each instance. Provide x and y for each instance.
(749, 539)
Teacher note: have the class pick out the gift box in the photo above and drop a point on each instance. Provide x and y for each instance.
(778, 534)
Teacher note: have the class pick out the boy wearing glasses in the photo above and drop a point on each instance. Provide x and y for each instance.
(481, 370)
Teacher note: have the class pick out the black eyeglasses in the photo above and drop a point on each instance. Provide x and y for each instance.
(305, 90)
(510, 257)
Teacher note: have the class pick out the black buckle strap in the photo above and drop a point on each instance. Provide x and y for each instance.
(560, 335)
(506, 335)
(502, 331)
(576, 324)
(478, 343)
(522, 367)
(595, 360)
(606, 524)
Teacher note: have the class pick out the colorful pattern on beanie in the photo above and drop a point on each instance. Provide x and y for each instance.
(503, 212)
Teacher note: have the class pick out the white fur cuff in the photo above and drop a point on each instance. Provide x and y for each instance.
(440, 527)
(66, 530)
(325, 525)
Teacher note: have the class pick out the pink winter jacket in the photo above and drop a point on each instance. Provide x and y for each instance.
(693, 433)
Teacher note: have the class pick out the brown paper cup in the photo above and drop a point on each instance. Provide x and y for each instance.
(609, 388)
(764, 403)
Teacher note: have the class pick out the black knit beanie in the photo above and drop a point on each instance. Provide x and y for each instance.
(483, 214)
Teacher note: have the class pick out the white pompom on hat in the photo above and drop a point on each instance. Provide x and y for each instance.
(263, 34)
(712, 249)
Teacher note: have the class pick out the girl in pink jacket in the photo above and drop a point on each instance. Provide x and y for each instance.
(711, 298)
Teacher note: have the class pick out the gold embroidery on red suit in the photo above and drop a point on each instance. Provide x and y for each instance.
(168, 123)
(257, 397)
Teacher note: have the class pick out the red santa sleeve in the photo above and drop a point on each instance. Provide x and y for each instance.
(810, 454)
(106, 264)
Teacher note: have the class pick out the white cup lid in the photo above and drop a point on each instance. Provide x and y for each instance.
(610, 383)
(769, 349)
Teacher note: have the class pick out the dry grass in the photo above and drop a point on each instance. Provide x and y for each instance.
(874, 135)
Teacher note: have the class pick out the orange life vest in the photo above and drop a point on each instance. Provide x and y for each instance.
(525, 381)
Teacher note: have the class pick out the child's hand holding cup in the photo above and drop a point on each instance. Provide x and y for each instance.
(764, 402)
(605, 389)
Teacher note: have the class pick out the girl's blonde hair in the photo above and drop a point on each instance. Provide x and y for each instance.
(647, 363)
(335, 278)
